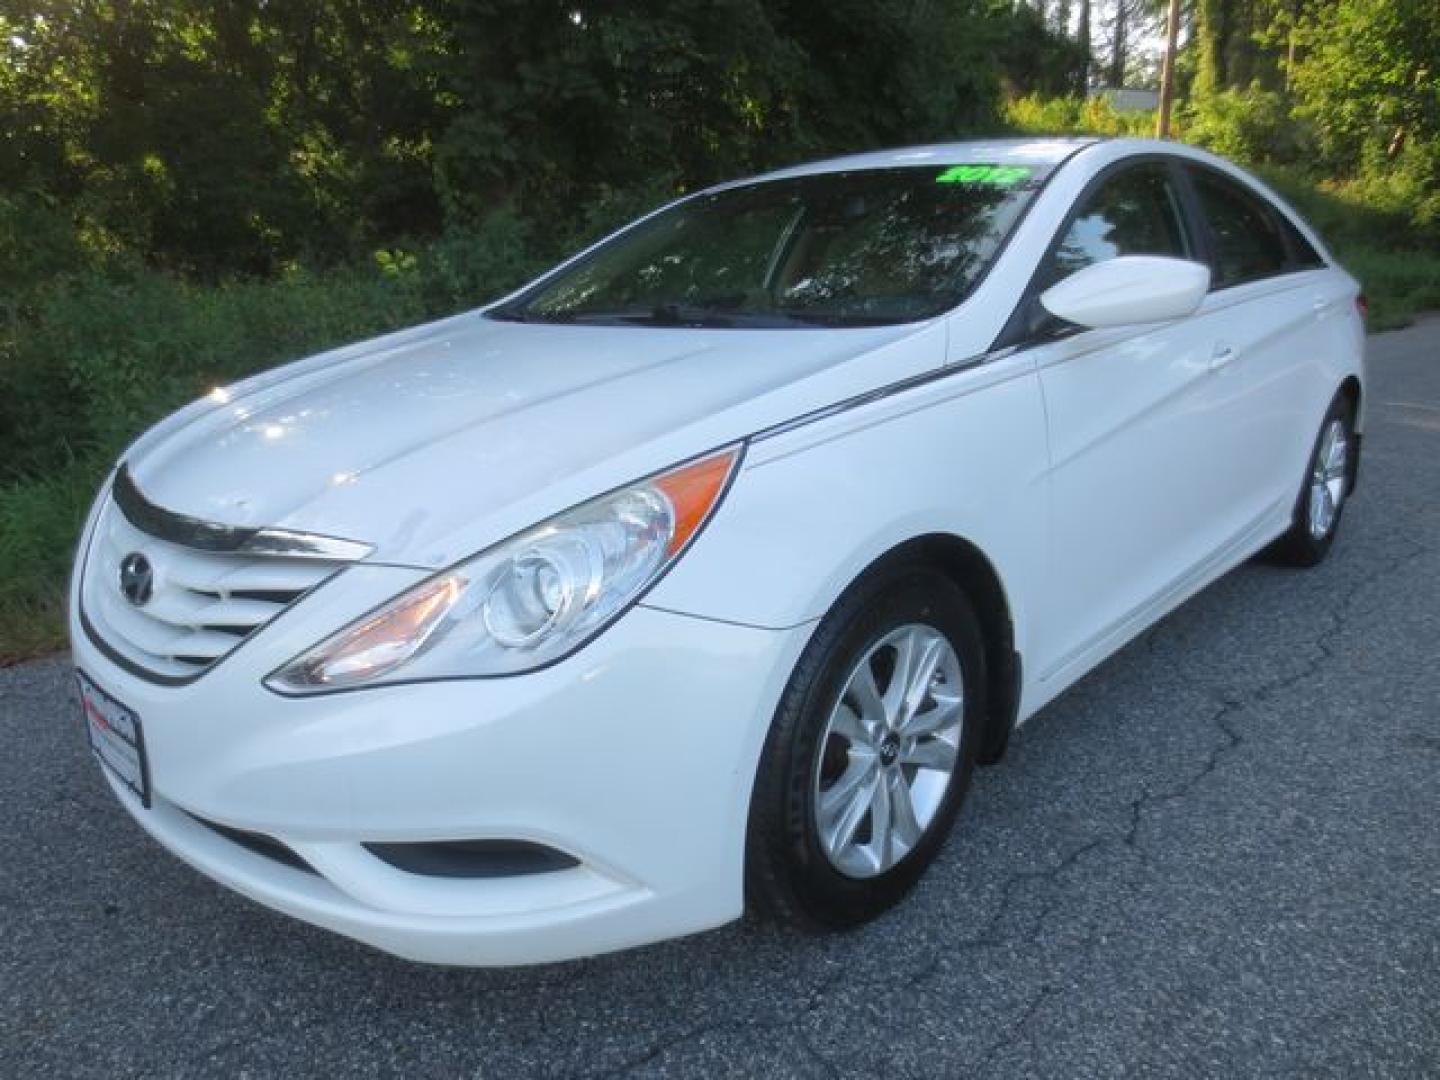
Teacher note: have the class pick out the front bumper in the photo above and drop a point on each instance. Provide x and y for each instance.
(635, 757)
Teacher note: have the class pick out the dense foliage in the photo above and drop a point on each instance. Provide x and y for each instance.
(244, 134)
(189, 191)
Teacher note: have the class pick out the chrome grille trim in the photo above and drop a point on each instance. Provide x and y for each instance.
(191, 532)
(208, 598)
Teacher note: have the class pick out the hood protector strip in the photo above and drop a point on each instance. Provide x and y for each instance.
(192, 532)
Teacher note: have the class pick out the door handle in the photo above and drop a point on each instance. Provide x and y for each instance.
(1222, 355)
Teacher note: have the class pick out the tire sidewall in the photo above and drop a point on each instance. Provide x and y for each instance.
(911, 595)
(1309, 548)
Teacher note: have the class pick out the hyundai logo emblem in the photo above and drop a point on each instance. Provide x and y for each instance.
(889, 751)
(137, 578)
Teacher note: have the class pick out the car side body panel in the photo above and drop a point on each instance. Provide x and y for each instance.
(1293, 347)
(1107, 476)
(1141, 488)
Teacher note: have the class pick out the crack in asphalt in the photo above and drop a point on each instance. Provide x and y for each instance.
(1233, 701)
(1337, 615)
(1230, 703)
(1027, 1014)
(1146, 799)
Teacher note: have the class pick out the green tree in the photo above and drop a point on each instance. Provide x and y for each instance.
(1368, 78)
(245, 136)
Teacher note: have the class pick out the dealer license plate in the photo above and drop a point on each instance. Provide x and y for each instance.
(115, 736)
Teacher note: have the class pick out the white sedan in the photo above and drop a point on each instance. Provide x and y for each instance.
(706, 567)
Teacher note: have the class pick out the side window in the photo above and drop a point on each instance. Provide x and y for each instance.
(1135, 212)
(1303, 255)
(1248, 242)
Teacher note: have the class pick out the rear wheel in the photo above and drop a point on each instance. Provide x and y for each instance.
(1327, 486)
(870, 752)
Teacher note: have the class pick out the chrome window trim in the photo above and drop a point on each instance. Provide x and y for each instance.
(201, 535)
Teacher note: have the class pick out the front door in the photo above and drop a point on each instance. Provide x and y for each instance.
(1142, 463)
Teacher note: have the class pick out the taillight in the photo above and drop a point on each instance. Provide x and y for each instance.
(1362, 305)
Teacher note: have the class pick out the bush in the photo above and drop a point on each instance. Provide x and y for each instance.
(1397, 284)
(465, 268)
(97, 357)
(37, 243)
(39, 521)
(1036, 115)
(1248, 126)
(1405, 188)
(1360, 214)
(1376, 238)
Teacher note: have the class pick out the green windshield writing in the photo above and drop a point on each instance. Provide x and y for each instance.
(1004, 175)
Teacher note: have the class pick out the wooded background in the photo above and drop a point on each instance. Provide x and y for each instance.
(189, 191)
(240, 136)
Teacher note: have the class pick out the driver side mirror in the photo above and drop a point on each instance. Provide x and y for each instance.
(1129, 290)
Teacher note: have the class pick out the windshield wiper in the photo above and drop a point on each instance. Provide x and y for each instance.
(840, 322)
(660, 315)
(699, 315)
(721, 312)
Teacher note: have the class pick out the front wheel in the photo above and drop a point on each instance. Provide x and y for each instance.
(870, 752)
(1327, 486)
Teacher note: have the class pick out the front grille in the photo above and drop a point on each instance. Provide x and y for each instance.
(201, 605)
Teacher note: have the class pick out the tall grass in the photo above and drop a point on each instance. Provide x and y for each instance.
(39, 520)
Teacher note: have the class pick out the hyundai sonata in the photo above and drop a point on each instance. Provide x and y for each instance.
(707, 566)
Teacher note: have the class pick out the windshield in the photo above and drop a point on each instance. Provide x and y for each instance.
(861, 248)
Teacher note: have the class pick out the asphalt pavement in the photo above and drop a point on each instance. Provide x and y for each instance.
(1218, 855)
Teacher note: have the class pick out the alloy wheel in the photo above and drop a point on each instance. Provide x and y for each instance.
(1328, 478)
(889, 750)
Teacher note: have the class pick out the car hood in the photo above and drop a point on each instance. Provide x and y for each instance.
(434, 442)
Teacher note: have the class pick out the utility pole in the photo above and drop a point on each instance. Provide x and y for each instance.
(1167, 71)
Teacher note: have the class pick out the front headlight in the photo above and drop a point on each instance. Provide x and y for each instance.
(528, 601)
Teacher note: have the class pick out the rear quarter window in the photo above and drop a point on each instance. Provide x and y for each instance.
(1303, 255)
(1246, 238)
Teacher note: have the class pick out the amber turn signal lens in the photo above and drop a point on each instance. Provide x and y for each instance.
(693, 491)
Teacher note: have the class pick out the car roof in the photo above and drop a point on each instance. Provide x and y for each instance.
(1048, 152)
(1027, 151)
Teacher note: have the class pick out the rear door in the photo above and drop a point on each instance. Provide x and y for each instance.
(1279, 309)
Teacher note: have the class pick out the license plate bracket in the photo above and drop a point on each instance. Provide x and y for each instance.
(116, 737)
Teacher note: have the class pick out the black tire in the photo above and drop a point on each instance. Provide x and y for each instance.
(1301, 545)
(789, 877)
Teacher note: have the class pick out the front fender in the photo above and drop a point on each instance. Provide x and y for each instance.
(963, 454)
